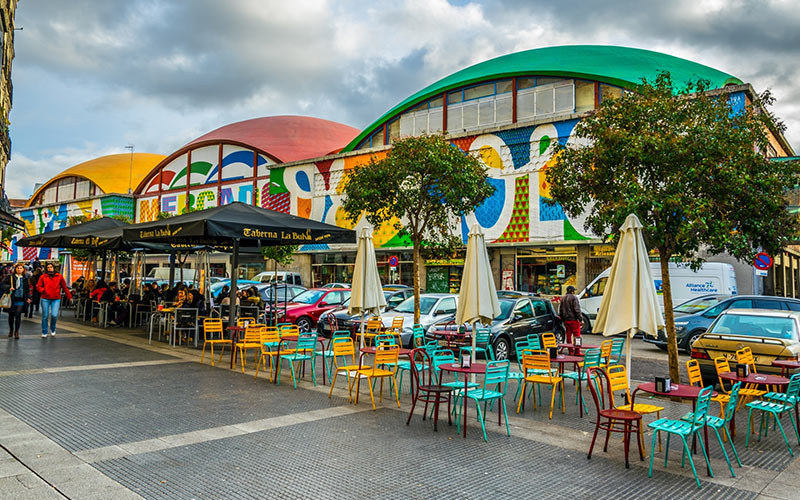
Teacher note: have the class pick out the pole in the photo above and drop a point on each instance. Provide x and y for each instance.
(361, 342)
(628, 354)
(234, 275)
(171, 270)
(105, 262)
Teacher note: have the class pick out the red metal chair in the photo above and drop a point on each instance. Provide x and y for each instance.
(427, 388)
(609, 418)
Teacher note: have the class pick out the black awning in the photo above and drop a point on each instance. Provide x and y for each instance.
(90, 234)
(9, 220)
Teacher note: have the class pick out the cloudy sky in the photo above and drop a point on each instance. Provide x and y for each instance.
(91, 76)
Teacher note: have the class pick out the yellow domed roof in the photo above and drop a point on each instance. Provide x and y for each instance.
(111, 173)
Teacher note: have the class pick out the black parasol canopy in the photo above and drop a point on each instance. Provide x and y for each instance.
(104, 234)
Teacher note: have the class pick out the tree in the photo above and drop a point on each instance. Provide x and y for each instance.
(422, 186)
(690, 166)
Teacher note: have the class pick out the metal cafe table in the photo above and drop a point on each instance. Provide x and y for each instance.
(474, 368)
(563, 359)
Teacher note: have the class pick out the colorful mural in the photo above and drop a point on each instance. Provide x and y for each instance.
(518, 212)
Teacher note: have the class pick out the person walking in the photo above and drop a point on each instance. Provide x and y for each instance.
(34, 305)
(19, 286)
(570, 312)
(50, 286)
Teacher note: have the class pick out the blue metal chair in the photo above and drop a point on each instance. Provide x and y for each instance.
(717, 423)
(777, 407)
(482, 337)
(684, 430)
(496, 376)
(305, 351)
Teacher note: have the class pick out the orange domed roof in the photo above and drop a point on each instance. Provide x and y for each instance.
(285, 138)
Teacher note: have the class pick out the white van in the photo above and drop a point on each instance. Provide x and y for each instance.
(283, 277)
(712, 277)
(162, 274)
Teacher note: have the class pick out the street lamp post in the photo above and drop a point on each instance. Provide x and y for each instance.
(130, 170)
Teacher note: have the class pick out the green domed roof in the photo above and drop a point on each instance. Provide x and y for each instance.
(622, 66)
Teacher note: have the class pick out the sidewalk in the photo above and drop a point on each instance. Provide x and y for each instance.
(95, 413)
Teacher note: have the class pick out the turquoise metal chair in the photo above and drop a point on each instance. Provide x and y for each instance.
(417, 340)
(327, 354)
(617, 350)
(718, 423)
(684, 430)
(535, 341)
(482, 337)
(495, 377)
(777, 407)
(305, 351)
(591, 359)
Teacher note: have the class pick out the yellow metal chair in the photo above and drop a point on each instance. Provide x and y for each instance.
(245, 319)
(536, 364)
(745, 357)
(344, 349)
(721, 366)
(397, 327)
(252, 340)
(549, 340)
(618, 382)
(384, 356)
(696, 379)
(210, 328)
(606, 347)
(269, 345)
(373, 328)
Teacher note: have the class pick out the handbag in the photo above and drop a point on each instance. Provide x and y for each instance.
(5, 301)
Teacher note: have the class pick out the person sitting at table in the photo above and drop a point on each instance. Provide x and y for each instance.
(181, 300)
(253, 298)
(117, 310)
(96, 294)
(222, 294)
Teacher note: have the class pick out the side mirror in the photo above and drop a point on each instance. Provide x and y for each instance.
(323, 304)
(439, 312)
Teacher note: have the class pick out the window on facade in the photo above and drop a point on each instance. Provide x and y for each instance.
(526, 83)
(82, 189)
(49, 195)
(584, 96)
(394, 131)
(482, 106)
(479, 91)
(66, 189)
(609, 92)
(543, 100)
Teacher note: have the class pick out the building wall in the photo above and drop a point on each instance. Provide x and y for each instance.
(7, 11)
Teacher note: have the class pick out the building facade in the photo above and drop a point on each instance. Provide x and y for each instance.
(509, 111)
(8, 9)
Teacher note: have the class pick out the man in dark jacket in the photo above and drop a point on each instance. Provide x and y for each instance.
(570, 312)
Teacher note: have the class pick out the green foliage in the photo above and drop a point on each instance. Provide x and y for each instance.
(424, 181)
(689, 167)
(163, 215)
(282, 255)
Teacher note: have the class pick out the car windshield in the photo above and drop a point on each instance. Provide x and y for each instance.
(309, 296)
(425, 305)
(506, 306)
(699, 304)
(756, 326)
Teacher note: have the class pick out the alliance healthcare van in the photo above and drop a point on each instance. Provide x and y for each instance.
(712, 277)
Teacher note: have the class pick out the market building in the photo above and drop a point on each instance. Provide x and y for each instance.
(509, 110)
(98, 187)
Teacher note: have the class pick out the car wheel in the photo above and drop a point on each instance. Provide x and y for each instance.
(304, 324)
(692, 337)
(502, 349)
(559, 336)
(586, 325)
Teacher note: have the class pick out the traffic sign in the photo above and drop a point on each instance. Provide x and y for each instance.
(762, 261)
(393, 261)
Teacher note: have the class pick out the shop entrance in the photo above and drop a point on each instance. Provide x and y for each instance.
(546, 271)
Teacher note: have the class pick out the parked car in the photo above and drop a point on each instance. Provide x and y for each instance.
(305, 309)
(396, 286)
(283, 277)
(345, 321)
(770, 335)
(512, 294)
(216, 287)
(435, 309)
(518, 318)
(336, 285)
(283, 293)
(689, 327)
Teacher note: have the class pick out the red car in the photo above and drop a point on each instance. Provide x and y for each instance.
(304, 310)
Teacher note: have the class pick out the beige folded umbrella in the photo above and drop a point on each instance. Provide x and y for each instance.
(477, 301)
(630, 302)
(366, 296)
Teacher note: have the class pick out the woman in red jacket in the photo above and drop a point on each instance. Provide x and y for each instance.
(50, 286)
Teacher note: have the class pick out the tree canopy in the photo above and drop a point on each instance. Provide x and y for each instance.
(692, 166)
(423, 186)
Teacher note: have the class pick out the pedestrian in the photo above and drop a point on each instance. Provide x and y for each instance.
(19, 286)
(34, 305)
(50, 286)
(570, 312)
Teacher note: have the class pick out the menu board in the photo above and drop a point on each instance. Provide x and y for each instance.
(438, 280)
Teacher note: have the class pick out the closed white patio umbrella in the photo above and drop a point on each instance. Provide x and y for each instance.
(366, 296)
(477, 300)
(630, 302)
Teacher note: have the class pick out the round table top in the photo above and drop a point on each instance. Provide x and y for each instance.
(568, 345)
(786, 363)
(566, 358)
(756, 378)
(677, 390)
(455, 367)
(402, 351)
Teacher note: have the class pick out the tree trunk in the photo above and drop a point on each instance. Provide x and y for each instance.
(416, 270)
(669, 317)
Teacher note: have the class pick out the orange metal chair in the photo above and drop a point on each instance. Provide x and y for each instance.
(270, 343)
(344, 349)
(384, 356)
(549, 340)
(210, 327)
(536, 364)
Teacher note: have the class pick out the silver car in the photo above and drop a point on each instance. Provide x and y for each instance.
(435, 309)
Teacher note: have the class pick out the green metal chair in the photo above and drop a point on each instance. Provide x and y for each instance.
(417, 340)
(496, 376)
(305, 351)
(777, 408)
(718, 423)
(617, 349)
(684, 430)
(591, 359)
(482, 338)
